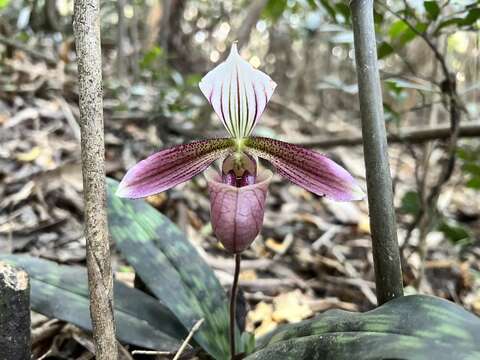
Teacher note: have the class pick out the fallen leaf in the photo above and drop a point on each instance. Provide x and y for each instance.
(29, 156)
(248, 275)
(363, 225)
(291, 307)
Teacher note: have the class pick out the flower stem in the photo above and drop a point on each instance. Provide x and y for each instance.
(233, 303)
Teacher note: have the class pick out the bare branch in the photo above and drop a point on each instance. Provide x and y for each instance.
(411, 136)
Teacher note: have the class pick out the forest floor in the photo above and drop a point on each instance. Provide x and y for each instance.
(312, 255)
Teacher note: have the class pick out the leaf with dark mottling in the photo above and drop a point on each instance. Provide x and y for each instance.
(62, 292)
(171, 268)
(409, 327)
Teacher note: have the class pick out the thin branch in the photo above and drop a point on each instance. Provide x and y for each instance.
(253, 13)
(187, 339)
(33, 53)
(100, 280)
(411, 136)
(388, 275)
(182, 348)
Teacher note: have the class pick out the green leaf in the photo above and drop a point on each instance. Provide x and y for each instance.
(472, 16)
(329, 9)
(470, 19)
(472, 168)
(402, 33)
(454, 231)
(312, 4)
(432, 8)
(171, 268)
(397, 29)
(344, 10)
(474, 183)
(4, 3)
(151, 56)
(274, 9)
(449, 22)
(384, 50)
(468, 153)
(409, 327)
(62, 292)
(411, 203)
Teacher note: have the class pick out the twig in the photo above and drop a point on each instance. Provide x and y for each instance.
(253, 13)
(180, 350)
(388, 275)
(150, 352)
(233, 303)
(33, 53)
(187, 339)
(100, 280)
(411, 136)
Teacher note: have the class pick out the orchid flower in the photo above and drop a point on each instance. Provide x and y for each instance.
(238, 94)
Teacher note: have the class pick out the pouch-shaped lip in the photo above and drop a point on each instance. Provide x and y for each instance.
(237, 212)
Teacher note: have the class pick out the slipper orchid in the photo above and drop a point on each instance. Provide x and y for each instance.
(238, 94)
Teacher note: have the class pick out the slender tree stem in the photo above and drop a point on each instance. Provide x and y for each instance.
(233, 303)
(386, 255)
(86, 28)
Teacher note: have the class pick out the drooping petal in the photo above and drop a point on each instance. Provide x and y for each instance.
(307, 168)
(167, 168)
(237, 212)
(238, 93)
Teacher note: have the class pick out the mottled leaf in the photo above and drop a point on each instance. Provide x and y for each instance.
(62, 292)
(410, 327)
(171, 268)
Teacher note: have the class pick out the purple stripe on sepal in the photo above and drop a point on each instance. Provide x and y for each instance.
(234, 89)
(167, 168)
(307, 168)
(237, 212)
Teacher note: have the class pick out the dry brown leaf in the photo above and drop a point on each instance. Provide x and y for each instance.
(29, 156)
(157, 200)
(261, 314)
(363, 225)
(248, 275)
(291, 307)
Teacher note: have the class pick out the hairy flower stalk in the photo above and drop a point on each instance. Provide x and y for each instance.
(238, 94)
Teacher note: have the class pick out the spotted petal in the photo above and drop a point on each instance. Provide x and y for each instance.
(238, 93)
(167, 168)
(307, 168)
